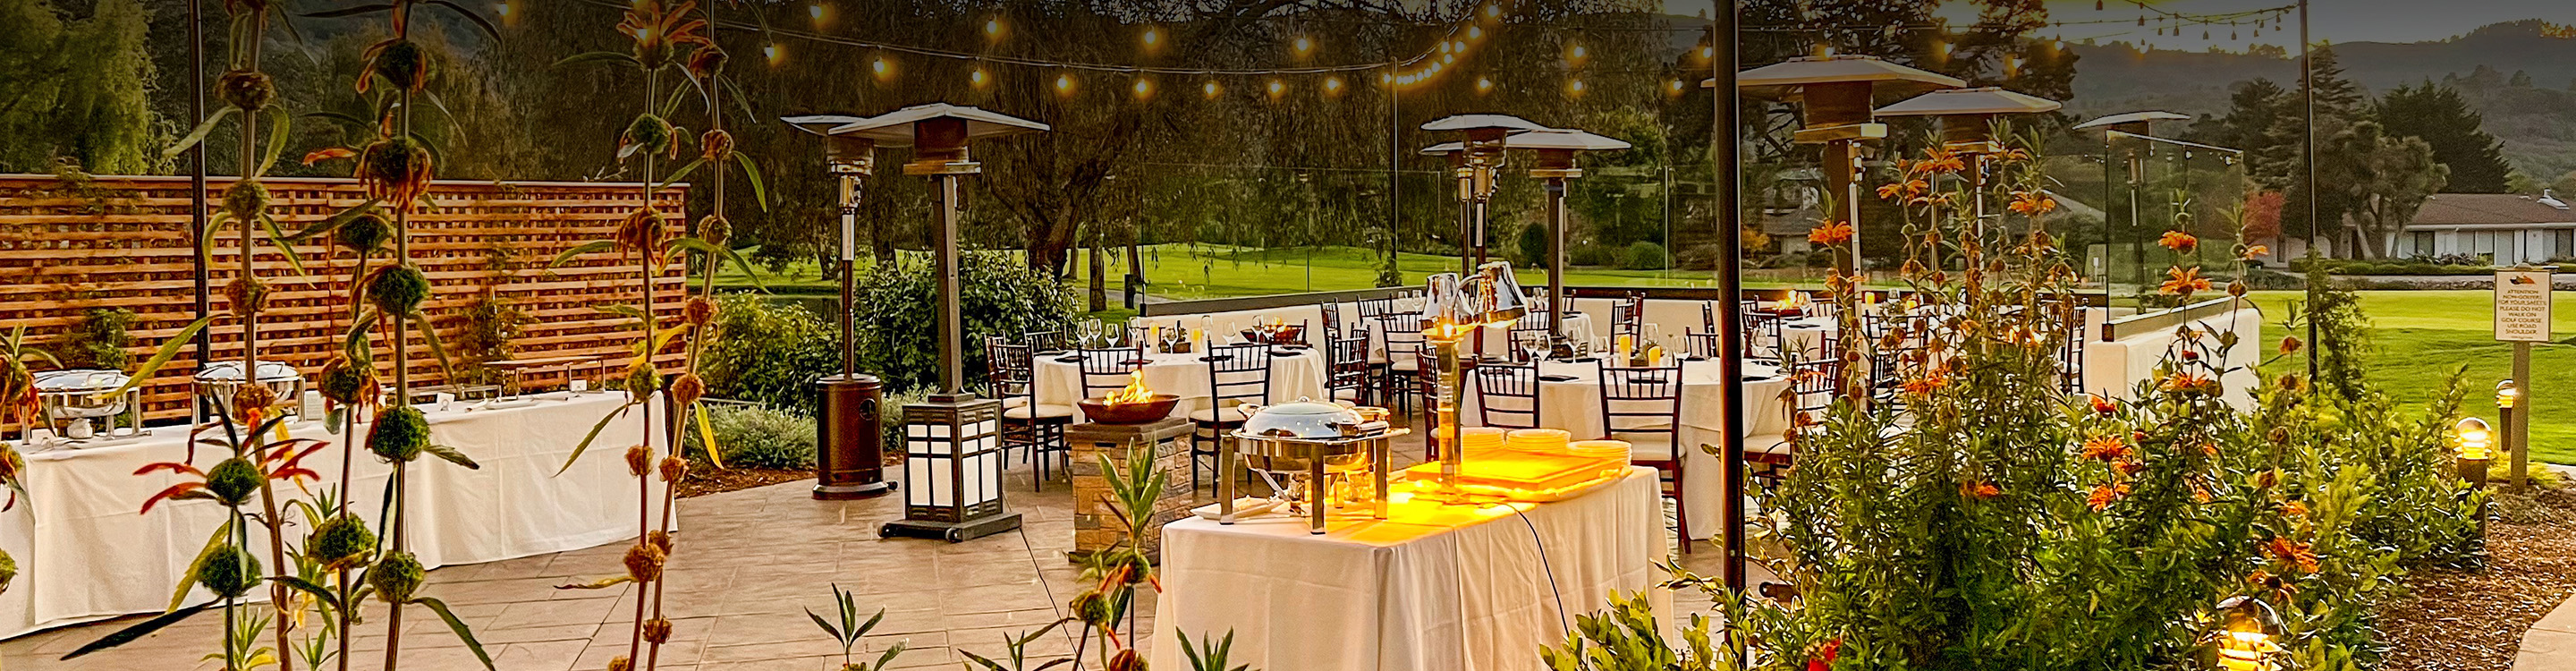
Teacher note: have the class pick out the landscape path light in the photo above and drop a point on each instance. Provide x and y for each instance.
(1967, 119)
(850, 461)
(2248, 634)
(952, 441)
(1835, 95)
(2476, 444)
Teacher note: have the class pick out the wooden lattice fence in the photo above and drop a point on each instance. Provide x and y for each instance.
(68, 246)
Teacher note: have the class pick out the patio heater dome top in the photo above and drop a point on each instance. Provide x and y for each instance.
(1560, 139)
(1474, 122)
(2131, 118)
(820, 124)
(1788, 80)
(896, 128)
(1981, 100)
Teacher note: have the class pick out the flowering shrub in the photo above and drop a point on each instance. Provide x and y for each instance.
(1969, 514)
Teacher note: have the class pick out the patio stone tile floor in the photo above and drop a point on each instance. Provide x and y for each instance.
(748, 565)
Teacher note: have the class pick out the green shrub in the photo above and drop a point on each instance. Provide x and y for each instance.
(899, 321)
(756, 437)
(768, 352)
(99, 341)
(1645, 255)
(1591, 255)
(1533, 245)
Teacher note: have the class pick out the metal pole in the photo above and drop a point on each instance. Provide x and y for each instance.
(1555, 260)
(1730, 279)
(2308, 160)
(849, 261)
(197, 178)
(951, 323)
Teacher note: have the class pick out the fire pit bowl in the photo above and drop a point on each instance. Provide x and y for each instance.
(1153, 409)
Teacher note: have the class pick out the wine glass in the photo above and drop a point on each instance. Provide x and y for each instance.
(1533, 345)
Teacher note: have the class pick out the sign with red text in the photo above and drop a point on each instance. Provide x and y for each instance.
(2522, 305)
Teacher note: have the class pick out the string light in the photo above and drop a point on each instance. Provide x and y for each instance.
(1278, 89)
(1209, 89)
(815, 10)
(1707, 52)
(1064, 84)
(1673, 86)
(1493, 11)
(1303, 45)
(1153, 39)
(773, 53)
(883, 68)
(502, 8)
(993, 29)
(1484, 86)
(1576, 54)
(979, 79)
(1332, 86)
(1143, 88)
(1574, 88)
(1475, 32)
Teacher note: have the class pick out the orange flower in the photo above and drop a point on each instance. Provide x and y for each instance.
(1907, 188)
(2255, 251)
(2129, 467)
(2294, 509)
(658, 28)
(2185, 382)
(1924, 386)
(2184, 282)
(1831, 233)
(2033, 203)
(2102, 405)
(2106, 448)
(2105, 494)
(2180, 242)
(1981, 490)
(2296, 553)
(1942, 161)
(2258, 577)
(2290, 344)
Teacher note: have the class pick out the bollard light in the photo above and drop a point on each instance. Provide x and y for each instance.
(2476, 445)
(2248, 634)
(2507, 393)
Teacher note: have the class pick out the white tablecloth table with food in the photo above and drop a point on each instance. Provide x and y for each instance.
(84, 553)
(1570, 399)
(1432, 588)
(1294, 373)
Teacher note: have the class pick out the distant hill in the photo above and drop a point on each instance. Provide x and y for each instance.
(2523, 82)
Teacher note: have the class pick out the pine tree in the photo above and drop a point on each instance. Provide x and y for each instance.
(2443, 119)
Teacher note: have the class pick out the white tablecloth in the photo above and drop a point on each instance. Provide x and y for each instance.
(1452, 589)
(1059, 382)
(1575, 406)
(84, 553)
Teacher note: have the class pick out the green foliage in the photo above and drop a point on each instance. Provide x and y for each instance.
(848, 630)
(2343, 334)
(1531, 245)
(490, 325)
(99, 341)
(1645, 255)
(2444, 120)
(343, 541)
(898, 313)
(1591, 255)
(76, 89)
(756, 437)
(396, 577)
(228, 571)
(398, 289)
(399, 433)
(233, 480)
(768, 352)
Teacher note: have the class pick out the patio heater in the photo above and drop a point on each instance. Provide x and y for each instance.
(1834, 96)
(2115, 128)
(1967, 128)
(1473, 166)
(851, 461)
(952, 443)
(1556, 148)
(1454, 307)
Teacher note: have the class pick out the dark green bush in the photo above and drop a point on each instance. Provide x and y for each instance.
(768, 352)
(1591, 255)
(1645, 255)
(756, 437)
(1533, 245)
(99, 341)
(898, 320)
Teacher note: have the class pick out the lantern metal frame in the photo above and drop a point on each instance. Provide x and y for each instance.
(953, 425)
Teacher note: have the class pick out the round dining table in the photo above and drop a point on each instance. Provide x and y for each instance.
(1295, 372)
(1570, 399)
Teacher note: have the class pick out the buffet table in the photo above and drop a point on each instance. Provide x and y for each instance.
(1059, 382)
(84, 553)
(1434, 588)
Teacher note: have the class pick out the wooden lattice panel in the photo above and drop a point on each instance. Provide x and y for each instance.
(122, 242)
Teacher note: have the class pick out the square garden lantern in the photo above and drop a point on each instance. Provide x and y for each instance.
(952, 443)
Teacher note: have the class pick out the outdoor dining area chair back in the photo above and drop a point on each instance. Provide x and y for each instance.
(1507, 395)
(1237, 375)
(1372, 308)
(1346, 367)
(1402, 333)
(1628, 317)
(1643, 405)
(1045, 342)
(1105, 369)
(1038, 429)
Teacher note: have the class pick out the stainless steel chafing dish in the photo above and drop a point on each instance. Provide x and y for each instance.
(219, 380)
(71, 399)
(1310, 444)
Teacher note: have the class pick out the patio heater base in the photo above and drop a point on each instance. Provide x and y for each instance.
(850, 462)
(953, 532)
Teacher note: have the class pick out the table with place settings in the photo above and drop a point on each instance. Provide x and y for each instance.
(1570, 399)
(1295, 372)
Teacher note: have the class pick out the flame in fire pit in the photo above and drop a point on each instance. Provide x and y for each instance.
(1134, 392)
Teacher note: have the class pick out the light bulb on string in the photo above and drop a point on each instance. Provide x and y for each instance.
(1332, 86)
(1484, 85)
(1303, 45)
(502, 8)
(1475, 32)
(816, 10)
(1153, 38)
(979, 78)
(1707, 52)
(993, 29)
(1673, 86)
(1209, 89)
(1278, 89)
(1493, 10)
(1574, 88)
(772, 53)
(1064, 84)
(884, 69)
(1143, 88)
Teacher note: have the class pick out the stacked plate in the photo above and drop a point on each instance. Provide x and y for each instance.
(1604, 450)
(1538, 441)
(1480, 440)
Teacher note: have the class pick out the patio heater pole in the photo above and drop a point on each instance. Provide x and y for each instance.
(1725, 153)
(1556, 149)
(849, 434)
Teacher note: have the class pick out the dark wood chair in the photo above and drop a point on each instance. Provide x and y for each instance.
(1643, 405)
(1105, 370)
(1372, 308)
(1507, 395)
(1347, 369)
(1044, 342)
(1402, 334)
(1628, 318)
(1038, 429)
(1332, 315)
(1237, 375)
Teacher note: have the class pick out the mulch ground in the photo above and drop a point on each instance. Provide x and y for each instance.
(2473, 619)
(703, 480)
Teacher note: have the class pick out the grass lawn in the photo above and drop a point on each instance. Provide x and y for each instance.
(2421, 337)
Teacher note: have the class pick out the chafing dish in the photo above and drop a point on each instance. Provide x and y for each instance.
(218, 380)
(1311, 444)
(71, 399)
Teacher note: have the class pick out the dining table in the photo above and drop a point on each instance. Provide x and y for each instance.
(1295, 372)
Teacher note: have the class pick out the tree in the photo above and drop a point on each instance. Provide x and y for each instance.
(74, 88)
(2444, 120)
(2380, 179)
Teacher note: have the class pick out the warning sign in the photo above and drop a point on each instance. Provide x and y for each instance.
(2522, 305)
